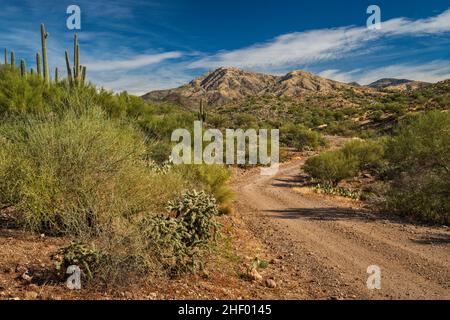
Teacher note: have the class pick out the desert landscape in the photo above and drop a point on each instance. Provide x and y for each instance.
(93, 205)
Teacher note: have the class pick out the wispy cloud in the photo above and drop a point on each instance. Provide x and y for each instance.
(320, 45)
(133, 62)
(433, 71)
(158, 77)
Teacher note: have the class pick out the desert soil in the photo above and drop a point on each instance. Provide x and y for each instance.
(325, 244)
(319, 247)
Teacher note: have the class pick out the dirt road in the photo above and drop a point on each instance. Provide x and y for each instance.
(325, 247)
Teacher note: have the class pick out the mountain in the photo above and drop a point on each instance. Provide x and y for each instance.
(225, 85)
(392, 84)
(216, 88)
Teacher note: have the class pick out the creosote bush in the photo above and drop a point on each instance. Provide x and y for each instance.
(331, 167)
(301, 138)
(76, 174)
(356, 156)
(212, 178)
(419, 168)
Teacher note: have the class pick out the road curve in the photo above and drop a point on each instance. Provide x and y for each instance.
(326, 246)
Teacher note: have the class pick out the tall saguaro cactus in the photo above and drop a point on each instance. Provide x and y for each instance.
(69, 70)
(38, 64)
(202, 115)
(23, 68)
(77, 73)
(76, 58)
(6, 56)
(56, 75)
(13, 60)
(44, 36)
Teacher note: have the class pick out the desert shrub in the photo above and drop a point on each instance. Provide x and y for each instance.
(331, 167)
(160, 151)
(19, 95)
(301, 138)
(211, 178)
(419, 168)
(370, 154)
(76, 174)
(245, 121)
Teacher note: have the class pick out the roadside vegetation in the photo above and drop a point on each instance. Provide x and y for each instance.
(412, 165)
(82, 162)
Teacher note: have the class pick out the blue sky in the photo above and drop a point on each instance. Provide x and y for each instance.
(140, 46)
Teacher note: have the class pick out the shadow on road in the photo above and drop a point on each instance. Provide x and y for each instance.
(330, 214)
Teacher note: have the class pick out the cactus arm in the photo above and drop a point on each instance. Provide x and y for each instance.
(83, 75)
(56, 75)
(6, 56)
(69, 70)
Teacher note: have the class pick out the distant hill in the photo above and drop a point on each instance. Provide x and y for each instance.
(391, 84)
(225, 85)
(238, 98)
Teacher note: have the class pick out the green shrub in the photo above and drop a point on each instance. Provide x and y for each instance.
(331, 167)
(419, 168)
(211, 178)
(75, 174)
(370, 154)
(301, 138)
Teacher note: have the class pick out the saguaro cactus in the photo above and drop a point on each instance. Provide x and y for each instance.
(83, 74)
(56, 75)
(44, 36)
(69, 70)
(13, 60)
(32, 71)
(6, 57)
(23, 68)
(202, 115)
(76, 60)
(77, 73)
(38, 64)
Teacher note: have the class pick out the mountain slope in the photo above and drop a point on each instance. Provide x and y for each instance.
(216, 88)
(225, 85)
(392, 84)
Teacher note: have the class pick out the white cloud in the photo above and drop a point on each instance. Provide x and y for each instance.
(433, 71)
(156, 78)
(134, 62)
(319, 45)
